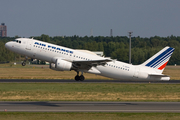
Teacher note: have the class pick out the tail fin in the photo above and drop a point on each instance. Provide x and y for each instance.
(160, 59)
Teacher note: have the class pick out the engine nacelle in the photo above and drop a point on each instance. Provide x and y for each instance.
(61, 65)
(52, 66)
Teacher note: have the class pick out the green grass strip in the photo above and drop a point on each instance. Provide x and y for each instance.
(88, 92)
(87, 116)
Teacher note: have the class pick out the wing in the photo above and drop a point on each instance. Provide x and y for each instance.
(92, 62)
(82, 64)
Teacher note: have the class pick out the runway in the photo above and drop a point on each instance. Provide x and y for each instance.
(64, 106)
(85, 81)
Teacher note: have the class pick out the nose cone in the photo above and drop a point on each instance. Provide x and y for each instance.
(8, 45)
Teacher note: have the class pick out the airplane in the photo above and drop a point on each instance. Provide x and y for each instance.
(67, 59)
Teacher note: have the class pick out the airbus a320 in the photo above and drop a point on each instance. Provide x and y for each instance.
(67, 59)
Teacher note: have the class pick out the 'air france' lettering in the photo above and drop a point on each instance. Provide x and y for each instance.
(49, 46)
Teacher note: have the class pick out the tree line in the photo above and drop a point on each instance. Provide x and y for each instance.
(115, 47)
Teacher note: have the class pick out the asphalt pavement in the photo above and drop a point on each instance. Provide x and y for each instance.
(85, 81)
(66, 106)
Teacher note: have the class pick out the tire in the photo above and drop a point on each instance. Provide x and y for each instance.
(81, 78)
(77, 78)
(23, 63)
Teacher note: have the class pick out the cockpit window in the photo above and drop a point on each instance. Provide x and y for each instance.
(17, 41)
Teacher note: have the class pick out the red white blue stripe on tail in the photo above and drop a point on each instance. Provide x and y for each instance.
(160, 60)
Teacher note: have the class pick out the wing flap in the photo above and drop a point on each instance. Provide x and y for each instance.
(87, 65)
(92, 62)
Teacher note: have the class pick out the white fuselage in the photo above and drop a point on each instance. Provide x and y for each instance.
(46, 52)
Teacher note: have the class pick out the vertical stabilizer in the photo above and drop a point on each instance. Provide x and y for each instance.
(160, 59)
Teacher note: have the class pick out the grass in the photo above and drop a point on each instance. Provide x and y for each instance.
(88, 116)
(88, 92)
(173, 71)
(10, 71)
(80, 91)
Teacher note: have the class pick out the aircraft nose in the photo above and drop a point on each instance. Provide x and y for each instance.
(7, 45)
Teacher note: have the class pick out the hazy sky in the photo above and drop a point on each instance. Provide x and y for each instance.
(145, 18)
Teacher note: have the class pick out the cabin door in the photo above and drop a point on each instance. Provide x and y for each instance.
(29, 44)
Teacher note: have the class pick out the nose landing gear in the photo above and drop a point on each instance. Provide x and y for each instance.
(24, 62)
(79, 78)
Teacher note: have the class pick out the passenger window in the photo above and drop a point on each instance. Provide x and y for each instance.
(19, 41)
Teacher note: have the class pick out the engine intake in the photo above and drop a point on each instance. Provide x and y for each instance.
(61, 65)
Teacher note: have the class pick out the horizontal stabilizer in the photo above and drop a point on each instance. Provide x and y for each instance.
(158, 75)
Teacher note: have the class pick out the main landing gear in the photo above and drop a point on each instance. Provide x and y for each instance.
(79, 78)
(24, 62)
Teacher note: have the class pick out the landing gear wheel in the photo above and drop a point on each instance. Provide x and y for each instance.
(81, 78)
(23, 63)
(77, 77)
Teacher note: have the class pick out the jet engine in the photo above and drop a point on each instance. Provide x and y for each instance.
(61, 65)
